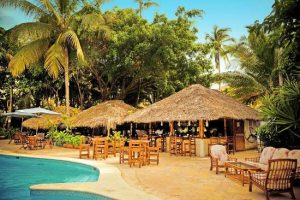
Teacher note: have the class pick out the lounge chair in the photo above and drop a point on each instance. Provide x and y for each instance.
(218, 156)
(279, 177)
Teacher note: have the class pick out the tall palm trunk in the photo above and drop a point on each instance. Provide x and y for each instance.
(217, 60)
(67, 85)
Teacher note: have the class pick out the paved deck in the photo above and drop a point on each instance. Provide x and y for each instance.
(174, 178)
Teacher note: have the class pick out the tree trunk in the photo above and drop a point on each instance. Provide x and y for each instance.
(280, 78)
(9, 109)
(138, 94)
(217, 60)
(67, 90)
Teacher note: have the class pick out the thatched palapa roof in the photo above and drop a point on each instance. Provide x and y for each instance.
(46, 121)
(107, 114)
(194, 103)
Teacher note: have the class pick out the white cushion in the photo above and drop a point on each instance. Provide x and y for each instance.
(280, 153)
(266, 155)
(295, 154)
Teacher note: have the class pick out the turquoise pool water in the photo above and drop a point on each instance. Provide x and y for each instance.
(17, 174)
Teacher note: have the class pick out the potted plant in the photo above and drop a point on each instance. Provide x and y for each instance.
(75, 141)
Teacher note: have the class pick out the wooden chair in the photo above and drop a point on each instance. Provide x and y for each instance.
(153, 154)
(178, 145)
(230, 144)
(23, 141)
(41, 140)
(145, 153)
(135, 153)
(16, 137)
(111, 148)
(158, 143)
(118, 144)
(124, 154)
(172, 145)
(186, 147)
(193, 146)
(32, 142)
(84, 148)
(100, 148)
(218, 156)
(278, 178)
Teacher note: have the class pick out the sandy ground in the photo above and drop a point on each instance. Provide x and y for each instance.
(175, 177)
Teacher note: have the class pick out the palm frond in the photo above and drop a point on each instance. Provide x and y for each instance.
(56, 59)
(27, 32)
(28, 55)
(149, 4)
(244, 86)
(69, 38)
(26, 6)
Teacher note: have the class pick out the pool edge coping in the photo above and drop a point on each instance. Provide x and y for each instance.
(110, 183)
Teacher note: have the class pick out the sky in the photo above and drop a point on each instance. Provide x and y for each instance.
(235, 14)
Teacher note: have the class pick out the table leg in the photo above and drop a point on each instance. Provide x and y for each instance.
(242, 172)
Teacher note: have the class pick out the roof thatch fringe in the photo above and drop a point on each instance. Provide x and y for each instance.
(107, 114)
(194, 103)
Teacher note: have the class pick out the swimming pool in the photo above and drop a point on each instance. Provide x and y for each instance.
(17, 174)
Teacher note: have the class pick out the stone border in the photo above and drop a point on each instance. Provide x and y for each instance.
(110, 183)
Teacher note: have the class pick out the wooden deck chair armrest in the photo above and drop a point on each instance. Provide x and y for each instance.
(254, 159)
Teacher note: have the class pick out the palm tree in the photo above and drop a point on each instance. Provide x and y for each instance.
(145, 5)
(216, 41)
(51, 38)
(260, 67)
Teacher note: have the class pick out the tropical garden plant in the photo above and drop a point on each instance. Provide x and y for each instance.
(281, 112)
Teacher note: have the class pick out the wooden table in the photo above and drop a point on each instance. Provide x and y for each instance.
(239, 171)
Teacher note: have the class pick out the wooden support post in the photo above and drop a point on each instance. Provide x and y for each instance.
(150, 129)
(130, 130)
(225, 128)
(22, 125)
(171, 128)
(201, 128)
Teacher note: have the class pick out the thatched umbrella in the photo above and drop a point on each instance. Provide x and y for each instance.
(45, 121)
(107, 114)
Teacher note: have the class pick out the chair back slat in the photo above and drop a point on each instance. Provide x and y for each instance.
(280, 173)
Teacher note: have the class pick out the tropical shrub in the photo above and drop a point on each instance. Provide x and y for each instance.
(75, 140)
(281, 112)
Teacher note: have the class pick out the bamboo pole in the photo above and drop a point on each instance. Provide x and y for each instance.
(171, 128)
(130, 130)
(225, 128)
(201, 128)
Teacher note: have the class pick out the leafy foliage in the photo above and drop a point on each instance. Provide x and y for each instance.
(281, 111)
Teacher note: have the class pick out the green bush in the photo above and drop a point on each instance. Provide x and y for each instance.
(75, 140)
(7, 133)
(281, 112)
(63, 137)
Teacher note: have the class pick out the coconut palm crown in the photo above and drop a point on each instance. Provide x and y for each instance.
(217, 42)
(51, 38)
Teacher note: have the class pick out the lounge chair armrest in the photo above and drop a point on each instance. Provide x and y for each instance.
(257, 174)
(254, 159)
